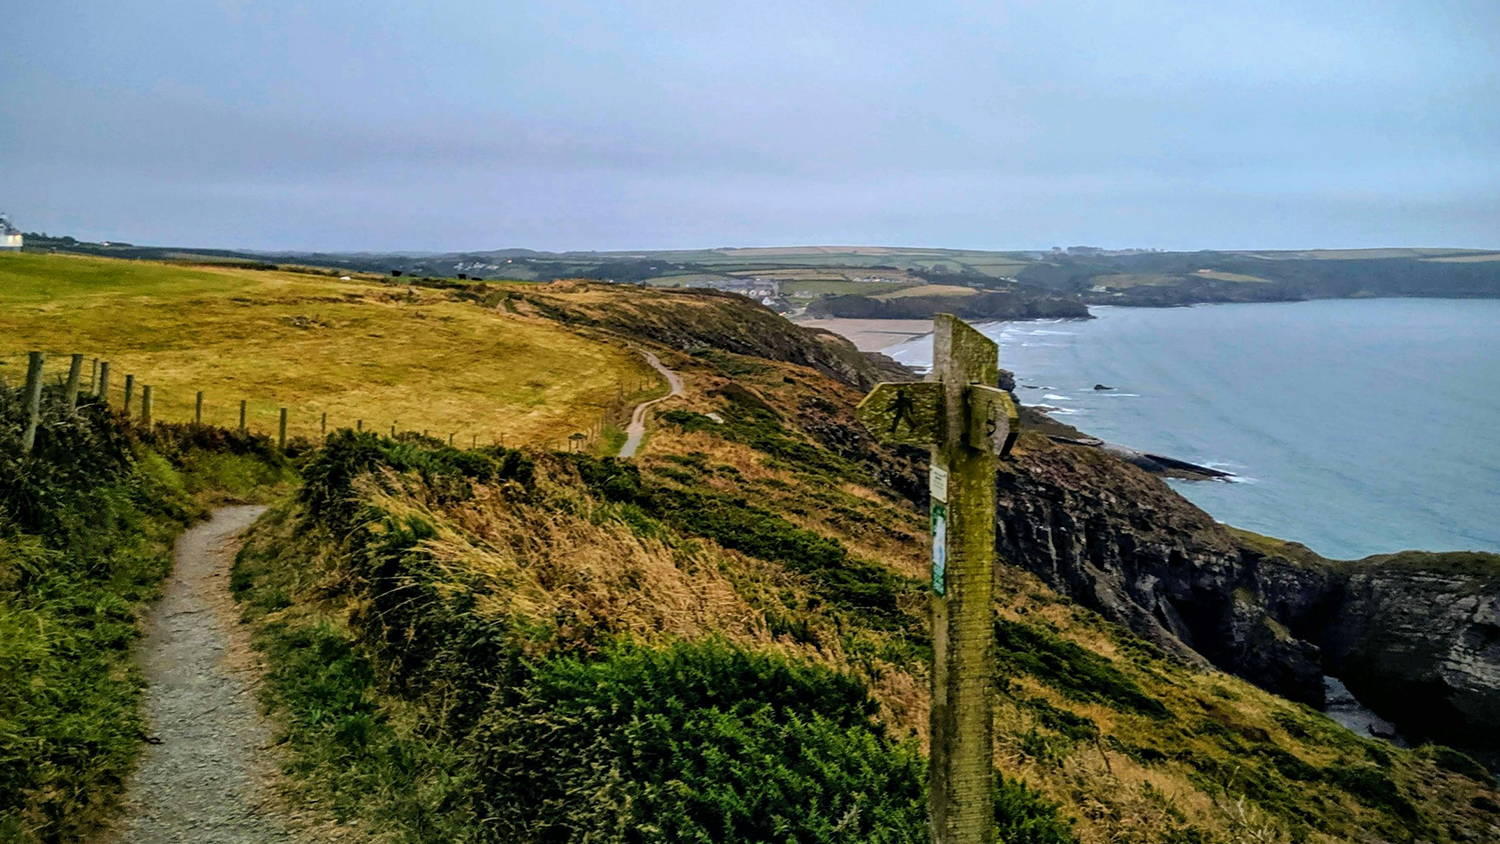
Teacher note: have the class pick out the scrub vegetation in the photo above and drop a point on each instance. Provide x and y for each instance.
(86, 526)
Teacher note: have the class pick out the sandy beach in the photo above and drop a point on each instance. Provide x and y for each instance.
(871, 335)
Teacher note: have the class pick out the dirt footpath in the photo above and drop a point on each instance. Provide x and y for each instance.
(205, 771)
(637, 430)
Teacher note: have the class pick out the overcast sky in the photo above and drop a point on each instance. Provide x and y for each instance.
(391, 126)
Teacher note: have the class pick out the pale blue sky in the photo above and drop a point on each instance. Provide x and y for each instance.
(473, 125)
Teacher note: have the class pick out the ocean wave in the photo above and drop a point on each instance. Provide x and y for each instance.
(1107, 393)
(1040, 332)
(1056, 397)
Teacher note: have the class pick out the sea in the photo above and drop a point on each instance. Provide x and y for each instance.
(1355, 427)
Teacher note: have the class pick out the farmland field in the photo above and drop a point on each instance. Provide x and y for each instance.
(355, 350)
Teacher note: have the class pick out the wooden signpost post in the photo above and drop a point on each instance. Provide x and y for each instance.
(968, 422)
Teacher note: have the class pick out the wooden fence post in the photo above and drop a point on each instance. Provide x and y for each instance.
(129, 391)
(33, 400)
(103, 390)
(242, 416)
(281, 437)
(450, 440)
(146, 406)
(75, 375)
(94, 377)
(359, 424)
(198, 411)
(324, 426)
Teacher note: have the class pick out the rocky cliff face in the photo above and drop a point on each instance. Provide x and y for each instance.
(1415, 636)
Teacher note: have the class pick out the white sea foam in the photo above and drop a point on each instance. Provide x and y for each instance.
(1056, 397)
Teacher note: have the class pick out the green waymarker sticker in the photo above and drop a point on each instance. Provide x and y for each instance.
(939, 547)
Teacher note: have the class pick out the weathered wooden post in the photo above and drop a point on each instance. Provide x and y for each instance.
(281, 436)
(967, 421)
(198, 410)
(103, 389)
(94, 377)
(323, 426)
(33, 395)
(359, 424)
(75, 376)
(146, 407)
(242, 416)
(129, 391)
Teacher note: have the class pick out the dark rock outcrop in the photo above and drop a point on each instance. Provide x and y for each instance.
(987, 304)
(1415, 636)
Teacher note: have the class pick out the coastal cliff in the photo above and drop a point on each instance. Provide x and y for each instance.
(1019, 303)
(1415, 635)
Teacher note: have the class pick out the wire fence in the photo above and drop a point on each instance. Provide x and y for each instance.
(146, 404)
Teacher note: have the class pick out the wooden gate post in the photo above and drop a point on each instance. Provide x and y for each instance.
(967, 421)
(33, 396)
(75, 375)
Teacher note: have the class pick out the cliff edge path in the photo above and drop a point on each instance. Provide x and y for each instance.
(637, 429)
(204, 775)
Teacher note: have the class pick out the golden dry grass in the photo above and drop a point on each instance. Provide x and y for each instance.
(1224, 276)
(356, 350)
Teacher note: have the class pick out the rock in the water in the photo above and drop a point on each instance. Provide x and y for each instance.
(1102, 387)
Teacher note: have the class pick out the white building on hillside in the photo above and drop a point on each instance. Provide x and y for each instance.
(10, 236)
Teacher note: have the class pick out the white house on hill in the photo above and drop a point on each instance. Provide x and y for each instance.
(10, 236)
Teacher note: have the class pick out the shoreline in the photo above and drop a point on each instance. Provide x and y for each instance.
(869, 335)
(875, 336)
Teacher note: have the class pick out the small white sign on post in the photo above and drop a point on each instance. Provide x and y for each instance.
(937, 483)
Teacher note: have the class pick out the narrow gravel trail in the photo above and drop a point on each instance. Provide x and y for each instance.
(203, 778)
(637, 429)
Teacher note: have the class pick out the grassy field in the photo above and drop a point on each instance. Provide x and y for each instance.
(1123, 280)
(358, 350)
(1466, 259)
(929, 290)
(815, 289)
(1224, 276)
